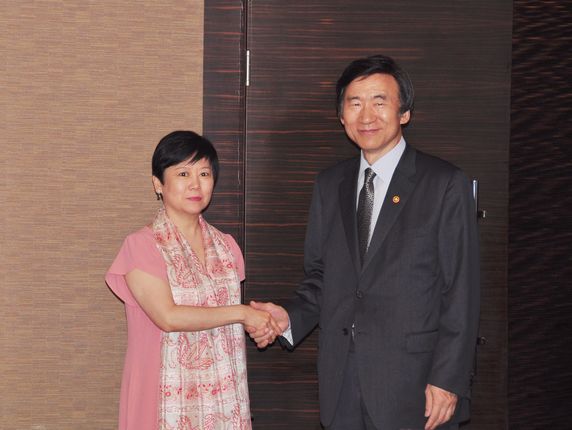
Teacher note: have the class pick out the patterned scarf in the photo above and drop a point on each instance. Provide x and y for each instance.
(203, 384)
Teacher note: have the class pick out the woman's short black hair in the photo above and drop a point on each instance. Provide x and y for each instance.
(364, 67)
(180, 146)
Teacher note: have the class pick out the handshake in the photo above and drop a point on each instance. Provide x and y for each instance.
(264, 321)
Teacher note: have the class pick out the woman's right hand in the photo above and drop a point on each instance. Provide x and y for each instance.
(261, 322)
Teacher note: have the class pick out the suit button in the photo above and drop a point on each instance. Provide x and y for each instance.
(359, 294)
(345, 331)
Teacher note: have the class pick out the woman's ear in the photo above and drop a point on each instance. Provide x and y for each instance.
(157, 185)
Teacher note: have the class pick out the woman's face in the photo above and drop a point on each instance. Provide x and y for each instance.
(187, 187)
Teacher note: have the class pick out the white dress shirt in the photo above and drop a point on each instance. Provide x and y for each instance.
(384, 169)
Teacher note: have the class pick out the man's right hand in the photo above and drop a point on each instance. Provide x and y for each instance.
(280, 316)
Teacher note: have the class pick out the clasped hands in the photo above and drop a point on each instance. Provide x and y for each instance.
(266, 322)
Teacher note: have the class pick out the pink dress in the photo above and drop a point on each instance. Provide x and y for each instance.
(140, 383)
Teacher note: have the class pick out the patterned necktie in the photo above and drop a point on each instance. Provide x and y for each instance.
(365, 208)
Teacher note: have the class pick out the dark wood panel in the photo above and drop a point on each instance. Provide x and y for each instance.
(223, 110)
(458, 55)
(540, 255)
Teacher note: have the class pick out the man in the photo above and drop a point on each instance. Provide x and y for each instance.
(391, 270)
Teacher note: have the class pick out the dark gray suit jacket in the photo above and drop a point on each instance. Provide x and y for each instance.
(415, 300)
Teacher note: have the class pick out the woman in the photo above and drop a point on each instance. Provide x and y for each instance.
(179, 277)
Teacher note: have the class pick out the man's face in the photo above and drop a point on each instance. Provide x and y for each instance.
(370, 114)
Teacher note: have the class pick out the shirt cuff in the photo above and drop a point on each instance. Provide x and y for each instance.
(288, 335)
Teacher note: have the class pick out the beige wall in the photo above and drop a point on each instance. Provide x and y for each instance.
(88, 88)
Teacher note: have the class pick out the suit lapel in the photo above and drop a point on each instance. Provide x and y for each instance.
(347, 195)
(401, 186)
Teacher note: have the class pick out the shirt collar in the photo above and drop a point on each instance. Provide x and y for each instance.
(386, 165)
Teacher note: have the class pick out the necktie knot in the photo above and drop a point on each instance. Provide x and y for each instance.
(369, 176)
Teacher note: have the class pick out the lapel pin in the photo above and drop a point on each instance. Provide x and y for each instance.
(396, 199)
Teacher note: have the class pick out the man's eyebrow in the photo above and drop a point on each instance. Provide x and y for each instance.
(380, 96)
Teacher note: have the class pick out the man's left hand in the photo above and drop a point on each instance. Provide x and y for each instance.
(439, 406)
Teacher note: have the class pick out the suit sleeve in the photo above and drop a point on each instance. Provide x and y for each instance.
(460, 297)
(304, 308)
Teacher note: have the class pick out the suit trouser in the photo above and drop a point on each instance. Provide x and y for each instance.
(351, 413)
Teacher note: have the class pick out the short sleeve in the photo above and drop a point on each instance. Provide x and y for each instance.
(237, 254)
(137, 252)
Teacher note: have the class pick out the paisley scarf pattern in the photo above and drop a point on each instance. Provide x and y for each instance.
(203, 381)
